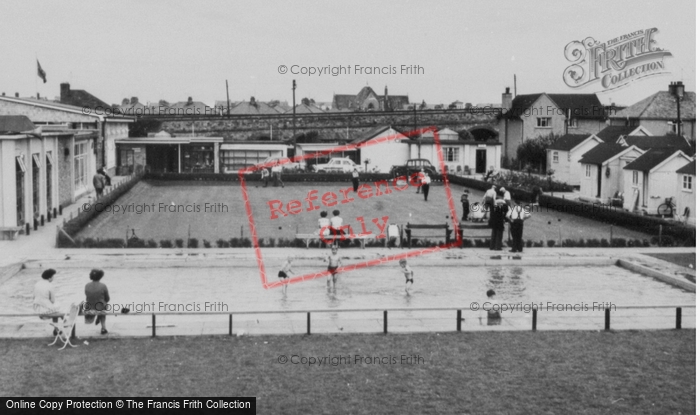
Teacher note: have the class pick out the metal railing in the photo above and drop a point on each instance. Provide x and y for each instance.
(385, 313)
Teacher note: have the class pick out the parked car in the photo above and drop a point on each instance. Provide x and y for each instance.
(336, 165)
(414, 166)
(289, 166)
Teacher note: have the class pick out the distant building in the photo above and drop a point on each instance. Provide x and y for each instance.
(368, 100)
(383, 147)
(658, 113)
(564, 154)
(526, 117)
(190, 107)
(685, 192)
(652, 178)
(601, 174)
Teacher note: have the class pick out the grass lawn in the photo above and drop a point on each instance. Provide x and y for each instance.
(497, 372)
(679, 259)
(400, 207)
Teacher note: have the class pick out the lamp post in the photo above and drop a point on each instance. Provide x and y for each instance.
(294, 108)
(367, 161)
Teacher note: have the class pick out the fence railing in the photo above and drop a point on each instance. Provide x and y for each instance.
(606, 315)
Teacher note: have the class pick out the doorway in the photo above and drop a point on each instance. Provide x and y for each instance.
(481, 161)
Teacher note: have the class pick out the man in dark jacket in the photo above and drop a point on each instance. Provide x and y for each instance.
(497, 223)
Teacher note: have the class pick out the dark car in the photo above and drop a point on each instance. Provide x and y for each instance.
(414, 166)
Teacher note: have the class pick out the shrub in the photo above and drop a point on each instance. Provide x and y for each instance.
(568, 243)
(135, 243)
(528, 243)
(467, 243)
(298, 243)
(166, 243)
(604, 243)
(593, 243)
(179, 243)
(87, 243)
(581, 243)
(193, 243)
(220, 243)
(666, 240)
(645, 243)
(539, 244)
(110, 243)
(551, 243)
(206, 243)
(152, 243)
(234, 242)
(619, 243)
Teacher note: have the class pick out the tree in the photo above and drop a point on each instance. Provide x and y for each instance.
(533, 152)
(305, 101)
(125, 101)
(163, 103)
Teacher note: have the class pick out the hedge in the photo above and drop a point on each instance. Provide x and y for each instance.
(299, 243)
(73, 226)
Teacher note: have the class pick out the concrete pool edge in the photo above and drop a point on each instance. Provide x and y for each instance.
(661, 276)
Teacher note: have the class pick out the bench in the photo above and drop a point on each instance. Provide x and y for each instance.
(11, 231)
(308, 237)
(461, 228)
(409, 228)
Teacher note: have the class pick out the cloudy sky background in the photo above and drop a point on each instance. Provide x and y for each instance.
(469, 50)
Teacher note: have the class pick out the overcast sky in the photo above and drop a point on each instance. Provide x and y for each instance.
(468, 50)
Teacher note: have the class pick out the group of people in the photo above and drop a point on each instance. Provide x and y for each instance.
(101, 180)
(94, 307)
(276, 175)
(499, 208)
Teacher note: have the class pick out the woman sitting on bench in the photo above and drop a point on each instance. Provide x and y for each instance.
(45, 300)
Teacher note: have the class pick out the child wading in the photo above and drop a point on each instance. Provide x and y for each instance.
(285, 271)
(408, 273)
(333, 264)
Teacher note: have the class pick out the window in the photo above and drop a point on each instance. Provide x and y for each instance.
(544, 122)
(573, 122)
(80, 167)
(233, 160)
(452, 154)
(588, 170)
(635, 177)
(555, 157)
(687, 182)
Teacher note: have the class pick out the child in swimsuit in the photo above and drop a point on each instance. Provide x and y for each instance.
(493, 317)
(408, 273)
(333, 264)
(285, 271)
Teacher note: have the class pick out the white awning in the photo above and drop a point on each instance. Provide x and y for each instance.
(36, 160)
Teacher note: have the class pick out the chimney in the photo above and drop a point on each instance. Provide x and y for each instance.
(134, 100)
(506, 100)
(189, 100)
(38, 96)
(65, 91)
(16, 94)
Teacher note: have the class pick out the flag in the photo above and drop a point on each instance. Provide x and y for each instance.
(40, 71)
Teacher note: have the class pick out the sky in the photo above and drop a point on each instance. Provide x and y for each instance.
(468, 50)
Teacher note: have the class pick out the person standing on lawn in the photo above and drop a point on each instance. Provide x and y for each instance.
(497, 223)
(425, 180)
(517, 216)
(355, 179)
(265, 176)
(465, 204)
(277, 174)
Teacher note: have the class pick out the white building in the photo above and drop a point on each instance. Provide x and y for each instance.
(685, 192)
(601, 171)
(652, 178)
(563, 156)
(383, 147)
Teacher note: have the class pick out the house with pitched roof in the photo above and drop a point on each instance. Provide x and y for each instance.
(529, 116)
(670, 141)
(190, 107)
(107, 125)
(474, 151)
(601, 171)
(685, 192)
(251, 107)
(368, 100)
(563, 156)
(658, 113)
(384, 147)
(612, 133)
(652, 178)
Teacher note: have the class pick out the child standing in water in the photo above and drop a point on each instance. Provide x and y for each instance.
(408, 273)
(285, 271)
(493, 316)
(333, 264)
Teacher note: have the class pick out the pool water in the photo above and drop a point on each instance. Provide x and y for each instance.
(588, 288)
